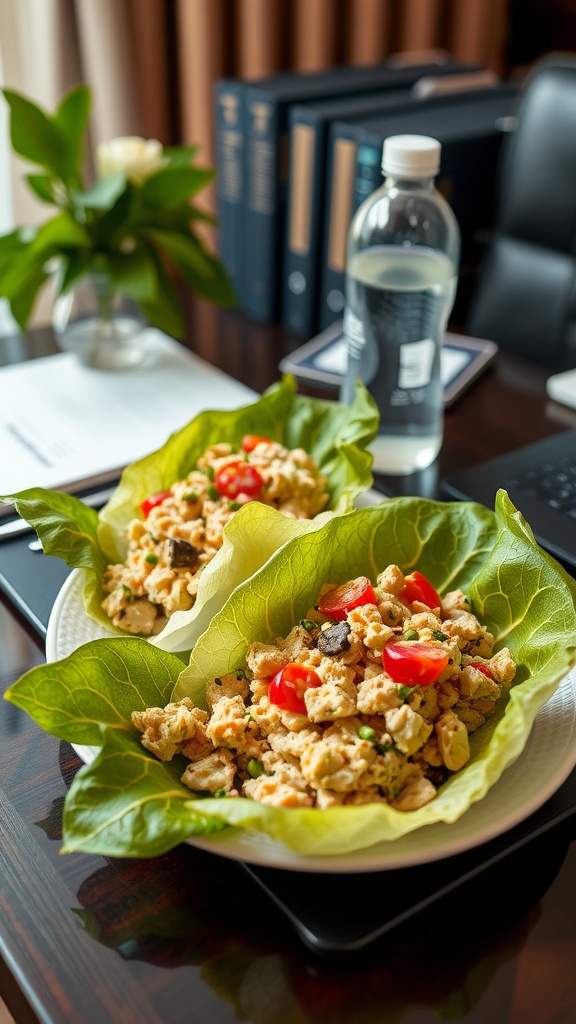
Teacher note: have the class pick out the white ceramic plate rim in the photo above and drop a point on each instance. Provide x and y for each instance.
(545, 763)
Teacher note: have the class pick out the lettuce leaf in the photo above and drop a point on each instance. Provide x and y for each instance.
(251, 537)
(335, 435)
(126, 803)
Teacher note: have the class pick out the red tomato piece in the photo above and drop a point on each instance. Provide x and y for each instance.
(482, 668)
(414, 664)
(237, 480)
(249, 441)
(289, 685)
(336, 603)
(418, 588)
(155, 499)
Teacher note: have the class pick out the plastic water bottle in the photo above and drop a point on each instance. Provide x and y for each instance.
(401, 277)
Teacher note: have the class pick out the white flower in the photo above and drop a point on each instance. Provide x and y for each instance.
(138, 158)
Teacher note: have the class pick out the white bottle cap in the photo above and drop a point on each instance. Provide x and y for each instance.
(411, 156)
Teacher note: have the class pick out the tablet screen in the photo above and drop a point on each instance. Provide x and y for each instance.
(323, 360)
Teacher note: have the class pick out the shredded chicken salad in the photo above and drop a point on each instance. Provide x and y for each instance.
(182, 527)
(370, 698)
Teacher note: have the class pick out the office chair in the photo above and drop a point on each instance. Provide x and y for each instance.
(525, 295)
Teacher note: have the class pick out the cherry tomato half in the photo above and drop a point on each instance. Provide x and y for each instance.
(155, 499)
(418, 588)
(482, 668)
(414, 664)
(289, 685)
(336, 603)
(249, 441)
(237, 479)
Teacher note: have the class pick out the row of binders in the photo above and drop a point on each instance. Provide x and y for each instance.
(297, 153)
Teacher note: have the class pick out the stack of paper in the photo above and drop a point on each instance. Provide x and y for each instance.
(63, 424)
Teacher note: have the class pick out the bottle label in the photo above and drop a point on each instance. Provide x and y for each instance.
(353, 330)
(415, 363)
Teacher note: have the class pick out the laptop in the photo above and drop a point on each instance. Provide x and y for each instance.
(540, 479)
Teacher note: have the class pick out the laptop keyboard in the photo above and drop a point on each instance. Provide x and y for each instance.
(554, 482)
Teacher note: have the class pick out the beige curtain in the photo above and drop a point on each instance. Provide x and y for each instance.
(119, 47)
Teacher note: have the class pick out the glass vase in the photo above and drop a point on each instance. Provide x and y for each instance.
(104, 329)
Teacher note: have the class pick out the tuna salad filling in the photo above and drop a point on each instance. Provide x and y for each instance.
(370, 698)
(181, 529)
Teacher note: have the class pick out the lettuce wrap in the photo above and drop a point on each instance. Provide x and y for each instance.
(335, 435)
(127, 803)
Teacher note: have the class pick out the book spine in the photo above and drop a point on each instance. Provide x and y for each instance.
(368, 173)
(340, 179)
(230, 145)
(265, 203)
(303, 223)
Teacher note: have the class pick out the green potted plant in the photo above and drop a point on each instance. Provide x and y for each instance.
(128, 237)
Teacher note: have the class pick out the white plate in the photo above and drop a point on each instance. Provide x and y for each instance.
(545, 763)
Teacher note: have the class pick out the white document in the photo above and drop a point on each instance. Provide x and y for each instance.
(62, 423)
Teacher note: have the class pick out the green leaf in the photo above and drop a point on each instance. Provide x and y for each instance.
(196, 214)
(68, 529)
(65, 525)
(74, 264)
(12, 247)
(203, 272)
(111, 227)
(20, 273)
(172, 186)
(60, 233)
(181, 156)
(101, 683)
(42, 185)
(103, 193)
(163, 311)
(26, 267)
(71, 119)
(148, 814)
(133, 273)
(35, 136)
(22, 304)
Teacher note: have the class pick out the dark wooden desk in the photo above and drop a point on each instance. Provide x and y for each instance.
(189, 937)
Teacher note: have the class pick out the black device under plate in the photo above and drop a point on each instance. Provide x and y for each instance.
(345, 913)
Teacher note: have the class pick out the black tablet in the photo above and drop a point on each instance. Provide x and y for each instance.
(323, 360)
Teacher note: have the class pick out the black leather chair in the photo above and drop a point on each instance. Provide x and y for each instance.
(525, 296)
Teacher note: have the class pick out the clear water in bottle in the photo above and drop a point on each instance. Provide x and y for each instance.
(398, 301)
